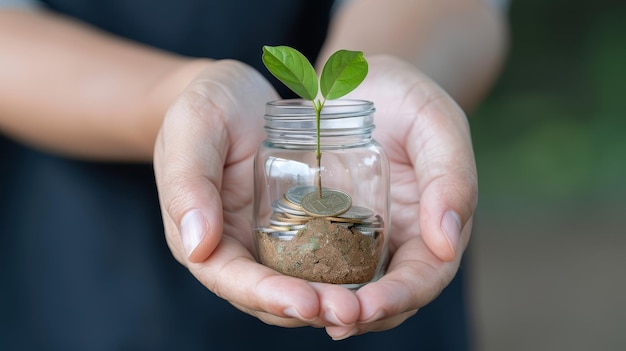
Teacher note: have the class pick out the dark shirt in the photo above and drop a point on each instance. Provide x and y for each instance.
(83, 260)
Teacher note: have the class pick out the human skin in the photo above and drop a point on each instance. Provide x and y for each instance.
(68, 88)
(433, 174)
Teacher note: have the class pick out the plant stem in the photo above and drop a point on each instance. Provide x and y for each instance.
(318, 105)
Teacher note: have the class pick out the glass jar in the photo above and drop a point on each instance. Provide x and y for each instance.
(338, 234)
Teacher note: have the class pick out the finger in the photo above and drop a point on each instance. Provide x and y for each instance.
(339, 306)
(271, 319)
(440, 147)
(415, 277)
(188, 169)
(207, 134)
(343, 332)
(232, 273)
(420, 120)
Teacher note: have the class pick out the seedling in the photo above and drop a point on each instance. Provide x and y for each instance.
(343, 72)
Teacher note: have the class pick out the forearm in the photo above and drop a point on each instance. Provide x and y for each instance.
(69, 88)
(459, 43)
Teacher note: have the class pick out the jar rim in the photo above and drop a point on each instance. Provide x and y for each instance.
(332, 108)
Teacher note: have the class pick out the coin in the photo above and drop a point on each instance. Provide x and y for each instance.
(357, 212)
(283, 217)
(289, 216)
(285, 235)
(332, 203)
(279, 206)
(265, 230)
(296, 192)
(302, 217)
(341, 219)
(276, 222)
(278, 228)
(290, 204)
(369, 231)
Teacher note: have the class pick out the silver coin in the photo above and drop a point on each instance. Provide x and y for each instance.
(372, 224)
(287, 218)
(290, 204)
(278, 206)
(368, 224)
(275, 207)
(285, 235)
(278, 223)
(296, 192)
(265, 230)
(369, 230)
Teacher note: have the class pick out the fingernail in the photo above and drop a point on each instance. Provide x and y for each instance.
(331, 317)
(293, 313)
(193, 227)
(349, 334)
(379, 314)
(451, 226)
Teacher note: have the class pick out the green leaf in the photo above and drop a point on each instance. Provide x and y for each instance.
(342, 73)
(293, 69)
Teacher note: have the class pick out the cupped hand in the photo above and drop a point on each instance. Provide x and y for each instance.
(203, 164)
(203, 168)
(433, 192)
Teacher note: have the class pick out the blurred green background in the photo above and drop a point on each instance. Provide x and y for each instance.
(548, 257)
(555, 124)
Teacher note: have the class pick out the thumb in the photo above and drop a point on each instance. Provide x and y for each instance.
(446, 210)
(188, 163)
(447, 180)
(212, 123)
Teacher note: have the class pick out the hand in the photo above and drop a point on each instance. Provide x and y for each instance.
(203, 167)
(433, 180)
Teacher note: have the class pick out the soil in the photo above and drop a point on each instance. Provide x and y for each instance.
(323, 252)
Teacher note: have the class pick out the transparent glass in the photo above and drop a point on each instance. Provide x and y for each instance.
(338, 235)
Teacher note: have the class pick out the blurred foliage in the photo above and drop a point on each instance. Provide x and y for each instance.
(553, 129)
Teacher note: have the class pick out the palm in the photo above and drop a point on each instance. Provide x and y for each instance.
(427, 140)
(203, 163)
(203, 160)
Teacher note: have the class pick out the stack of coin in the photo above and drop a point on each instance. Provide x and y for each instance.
(302, 203)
